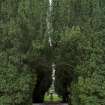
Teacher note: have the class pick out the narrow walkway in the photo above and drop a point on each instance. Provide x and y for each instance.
(51, 104)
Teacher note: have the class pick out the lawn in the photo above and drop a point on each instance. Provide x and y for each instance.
(55, 98)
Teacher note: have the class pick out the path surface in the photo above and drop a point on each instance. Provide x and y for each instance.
(51, 104)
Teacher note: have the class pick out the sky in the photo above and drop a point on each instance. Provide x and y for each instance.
(50, 1)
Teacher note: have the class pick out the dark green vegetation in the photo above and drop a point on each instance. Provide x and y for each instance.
(80, 26)
(23, 51)
(78, 51)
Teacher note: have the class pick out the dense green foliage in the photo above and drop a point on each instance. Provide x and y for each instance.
(83, 49)
(78, 50)
(22, 30)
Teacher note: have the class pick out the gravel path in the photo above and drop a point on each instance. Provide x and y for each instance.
(51, 104)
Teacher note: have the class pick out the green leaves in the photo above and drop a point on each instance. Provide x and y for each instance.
(15, 87)
(19, 28)
(81, 46)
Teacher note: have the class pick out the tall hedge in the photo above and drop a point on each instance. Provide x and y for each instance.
(83, 49)
(89, 87)
(21, 24)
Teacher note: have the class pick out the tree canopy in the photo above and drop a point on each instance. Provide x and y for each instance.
(78, 37)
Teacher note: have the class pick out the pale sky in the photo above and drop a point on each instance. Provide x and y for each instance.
(50, 1)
